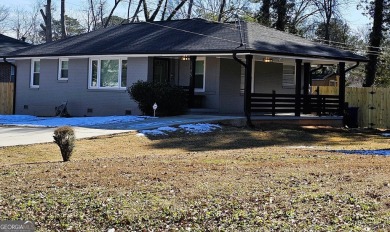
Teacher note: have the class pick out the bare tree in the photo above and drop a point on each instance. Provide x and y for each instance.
(177, 8)
(300, 13)
(25, 24)
(47, 20)
(189, 12)
(328, 9)
(4, 13)
(137, 11)
(116, 3)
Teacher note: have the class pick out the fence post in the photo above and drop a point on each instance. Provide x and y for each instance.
(341, 88)
(318, 101)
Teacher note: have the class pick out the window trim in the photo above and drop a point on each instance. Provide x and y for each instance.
(32, 73)
(97, 87)
(200, 90)
(59, 77)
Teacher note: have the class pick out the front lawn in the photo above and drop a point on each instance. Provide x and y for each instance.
(233, 179)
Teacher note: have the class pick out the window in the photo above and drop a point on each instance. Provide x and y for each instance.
(200, 75)
(288, 81)
(63, 69)
(108, 73)
(35, 73)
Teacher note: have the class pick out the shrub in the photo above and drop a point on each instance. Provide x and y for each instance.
(65, 138)
(171, 100)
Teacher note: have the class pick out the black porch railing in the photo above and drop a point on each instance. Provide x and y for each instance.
(274, 103)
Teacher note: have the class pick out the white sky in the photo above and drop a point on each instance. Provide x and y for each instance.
(74, 8)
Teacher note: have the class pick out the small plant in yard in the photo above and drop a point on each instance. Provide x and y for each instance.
(64, 137)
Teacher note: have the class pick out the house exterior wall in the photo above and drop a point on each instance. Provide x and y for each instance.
(81, 100)
(211, 93)
(269, 77)
(231, 101)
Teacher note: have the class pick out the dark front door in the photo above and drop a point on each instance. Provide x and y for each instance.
(161, 70)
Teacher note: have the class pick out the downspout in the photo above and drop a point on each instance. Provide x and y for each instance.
(15, 68)
(246, 91)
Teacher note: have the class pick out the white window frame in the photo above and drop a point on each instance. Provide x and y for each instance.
(32, 73)
(99, 72)
(199, 90)
(60, 78)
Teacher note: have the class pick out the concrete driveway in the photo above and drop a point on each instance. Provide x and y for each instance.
(14, 135)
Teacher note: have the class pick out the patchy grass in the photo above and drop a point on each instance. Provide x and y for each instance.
(230, 180)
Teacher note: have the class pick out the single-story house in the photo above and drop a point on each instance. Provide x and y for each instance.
(234, 68)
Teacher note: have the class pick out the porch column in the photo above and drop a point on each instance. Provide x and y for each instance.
(341, 88)
(248, 87)
(298, 83)
(191, 91)
(306, 85)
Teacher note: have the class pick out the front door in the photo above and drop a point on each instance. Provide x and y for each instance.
(161, 70)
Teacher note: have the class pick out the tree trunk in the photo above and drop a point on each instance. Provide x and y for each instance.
(151, 19)
(146, 13)
(190, 9)
(112, 11)
(281, 9)
(375, 42)
(264, 15)
(176, 9)
(93, 15)
(63, 27)
(221, 10)
(49, 34)
(128, 12)
(137, 11)
(164, 10)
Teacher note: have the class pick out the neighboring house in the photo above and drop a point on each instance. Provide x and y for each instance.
(328, 80)
(7, 45)
(7, 72)
(232, 66)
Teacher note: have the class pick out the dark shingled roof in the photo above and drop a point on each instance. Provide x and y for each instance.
(185, 37)
(8, 44)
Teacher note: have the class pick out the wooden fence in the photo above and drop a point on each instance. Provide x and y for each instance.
(6, 97)
(373, 103)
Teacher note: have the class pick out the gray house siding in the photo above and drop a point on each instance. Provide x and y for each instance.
(268, 77)
(230, 99)
(81, 100)
(212, 74)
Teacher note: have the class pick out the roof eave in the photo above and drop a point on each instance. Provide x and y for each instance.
(216, 52)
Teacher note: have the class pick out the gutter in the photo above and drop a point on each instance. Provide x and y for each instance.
(15, 68)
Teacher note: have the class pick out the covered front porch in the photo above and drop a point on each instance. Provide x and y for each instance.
(254, 84)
